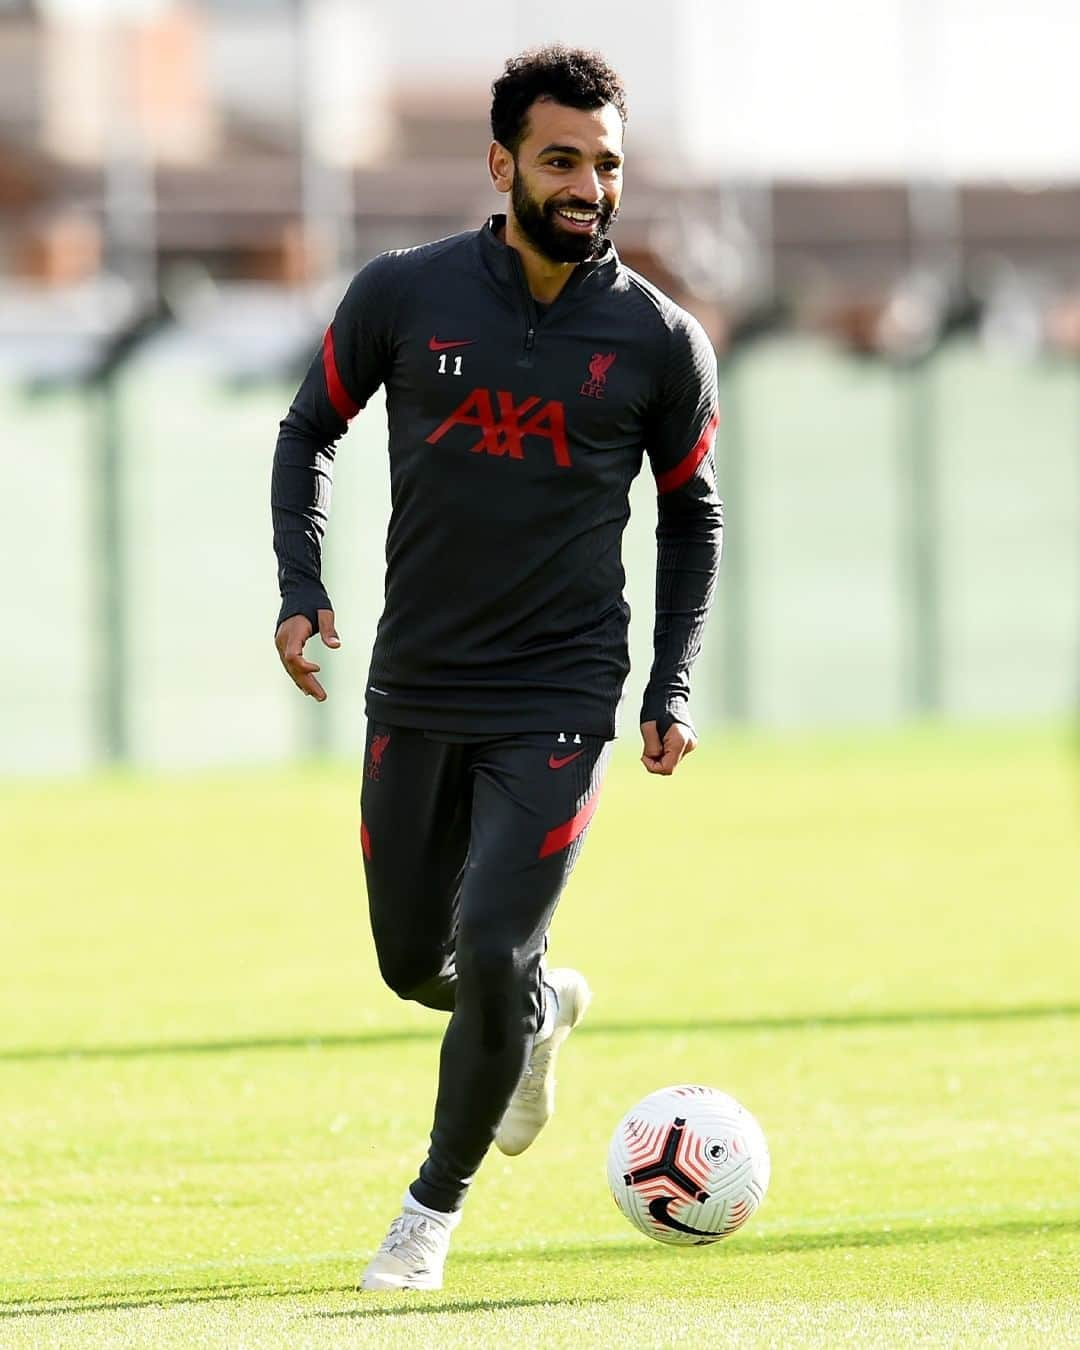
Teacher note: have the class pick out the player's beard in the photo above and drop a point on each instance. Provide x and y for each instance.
(538, 224)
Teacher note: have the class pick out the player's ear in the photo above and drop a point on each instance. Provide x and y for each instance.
(500, 166)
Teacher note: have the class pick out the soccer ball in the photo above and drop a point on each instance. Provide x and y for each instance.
(688, 1165)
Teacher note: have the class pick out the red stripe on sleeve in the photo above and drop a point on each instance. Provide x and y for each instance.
(365, 841)
(562, 837)
(687, 466)
(345, 408)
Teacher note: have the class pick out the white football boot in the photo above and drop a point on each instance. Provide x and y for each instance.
(413, 1252)
(533, 1102)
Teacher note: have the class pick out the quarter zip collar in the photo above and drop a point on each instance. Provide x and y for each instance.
(505, 264)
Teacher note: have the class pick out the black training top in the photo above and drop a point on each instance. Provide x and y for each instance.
(514, 437)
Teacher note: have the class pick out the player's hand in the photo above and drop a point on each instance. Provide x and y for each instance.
(664, 756)
(289, 640)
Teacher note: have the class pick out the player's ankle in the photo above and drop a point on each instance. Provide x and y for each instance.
(450, 1218)
(551, 1012)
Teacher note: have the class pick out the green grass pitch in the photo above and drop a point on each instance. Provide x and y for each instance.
(209, 1106)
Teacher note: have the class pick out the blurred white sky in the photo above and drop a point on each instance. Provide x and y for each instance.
(844, 88)
(969, 88)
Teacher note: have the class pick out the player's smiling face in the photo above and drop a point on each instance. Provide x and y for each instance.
(567, 179)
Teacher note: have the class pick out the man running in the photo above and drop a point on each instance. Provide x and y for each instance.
(527, 372)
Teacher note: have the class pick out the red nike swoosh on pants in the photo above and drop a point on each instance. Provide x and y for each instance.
(434, 345)
(554, 763)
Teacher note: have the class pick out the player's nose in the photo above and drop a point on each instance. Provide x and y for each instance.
(587, 187)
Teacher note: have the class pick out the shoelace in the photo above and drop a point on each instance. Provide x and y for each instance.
(412, 1237)
(532, 1080)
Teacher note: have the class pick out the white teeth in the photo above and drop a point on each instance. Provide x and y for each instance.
(579, 215)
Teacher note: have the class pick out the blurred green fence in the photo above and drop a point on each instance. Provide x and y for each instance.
(898, 542)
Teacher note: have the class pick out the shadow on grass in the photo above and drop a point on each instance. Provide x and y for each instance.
(164, 1297)
(361, 1040)
(775, 1244)
(745, 1246)
(909, 1235)
(410, 1307)
(233, 1293)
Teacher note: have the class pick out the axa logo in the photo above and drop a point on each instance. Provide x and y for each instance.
(505, 425)
(598, 369)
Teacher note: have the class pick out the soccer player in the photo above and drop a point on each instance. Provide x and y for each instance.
(527, 372)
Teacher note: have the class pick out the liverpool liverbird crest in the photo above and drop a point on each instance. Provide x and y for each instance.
(377, 750)
(598, 369)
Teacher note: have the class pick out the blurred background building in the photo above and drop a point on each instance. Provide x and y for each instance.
(873, 207)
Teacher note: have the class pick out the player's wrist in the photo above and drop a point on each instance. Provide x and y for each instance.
(307, 601)
(665, 711)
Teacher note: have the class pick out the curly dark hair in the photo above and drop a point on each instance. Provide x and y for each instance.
(567, 75)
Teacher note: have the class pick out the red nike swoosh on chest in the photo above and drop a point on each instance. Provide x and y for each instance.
(434, 345)
(554, 763)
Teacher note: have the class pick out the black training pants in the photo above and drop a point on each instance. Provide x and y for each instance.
(467, 846)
